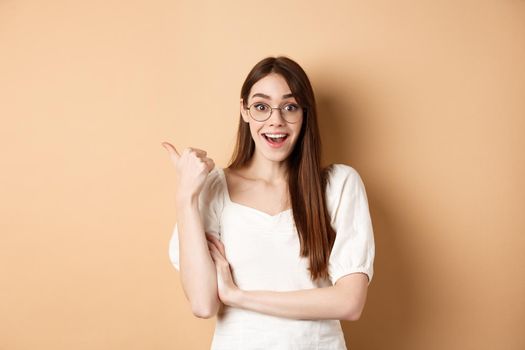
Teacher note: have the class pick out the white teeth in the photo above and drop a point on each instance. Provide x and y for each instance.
(276, 135)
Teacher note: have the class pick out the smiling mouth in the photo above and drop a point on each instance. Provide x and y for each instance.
(275, 140)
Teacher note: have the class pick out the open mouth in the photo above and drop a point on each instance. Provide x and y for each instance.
(275, 139)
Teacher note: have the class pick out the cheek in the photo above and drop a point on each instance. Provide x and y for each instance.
(255, 132)
(297, 129)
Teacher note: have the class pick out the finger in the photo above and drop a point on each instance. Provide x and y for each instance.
(221, 247)
(210, 164)
(212, 240)
(218, 258)
(197, 151)
(213, 246)
(210, 235)
(171, 150)
(213, 251)
(218, 244)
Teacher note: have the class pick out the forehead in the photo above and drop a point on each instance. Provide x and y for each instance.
(271, 87)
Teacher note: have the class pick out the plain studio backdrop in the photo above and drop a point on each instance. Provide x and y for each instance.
(425, 99)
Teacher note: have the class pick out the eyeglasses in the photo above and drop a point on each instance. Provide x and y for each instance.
(261, 111)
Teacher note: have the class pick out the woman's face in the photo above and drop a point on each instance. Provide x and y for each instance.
(272, 90)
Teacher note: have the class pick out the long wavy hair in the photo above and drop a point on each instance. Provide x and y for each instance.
(307, 181)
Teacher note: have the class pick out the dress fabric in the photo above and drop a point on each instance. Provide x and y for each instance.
(263, 252)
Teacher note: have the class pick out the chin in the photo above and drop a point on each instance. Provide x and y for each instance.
(277, 156)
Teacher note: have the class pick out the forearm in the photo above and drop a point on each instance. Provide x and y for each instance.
(307, 304)
(197, 269)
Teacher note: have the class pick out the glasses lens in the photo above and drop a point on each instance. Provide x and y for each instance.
(260, 111)
(290, 112)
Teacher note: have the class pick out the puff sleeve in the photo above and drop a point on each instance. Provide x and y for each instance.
(209, 208)
(354, 247)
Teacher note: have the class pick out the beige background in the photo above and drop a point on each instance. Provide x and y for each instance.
(426, 99)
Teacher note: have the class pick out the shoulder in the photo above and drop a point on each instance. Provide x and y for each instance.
(344, 190)
(343, 182)
(339, 174)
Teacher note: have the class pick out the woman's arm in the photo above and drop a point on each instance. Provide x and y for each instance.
(344, 301)
(197, 269)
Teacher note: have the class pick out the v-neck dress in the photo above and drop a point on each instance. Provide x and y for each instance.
(263, 252)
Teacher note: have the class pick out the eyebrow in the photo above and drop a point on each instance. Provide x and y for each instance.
(268, 97)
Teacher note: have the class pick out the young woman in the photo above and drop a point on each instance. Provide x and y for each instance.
(278, 247)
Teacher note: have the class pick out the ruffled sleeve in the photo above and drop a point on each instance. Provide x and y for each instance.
(354, 247)
(210, 204)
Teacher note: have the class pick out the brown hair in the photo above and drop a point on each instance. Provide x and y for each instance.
(306, 180)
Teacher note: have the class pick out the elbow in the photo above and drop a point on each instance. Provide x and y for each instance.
(353, 314)
(203, 314)
(207, 311)
(353, 317)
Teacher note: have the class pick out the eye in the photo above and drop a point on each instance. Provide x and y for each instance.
(261, 106)
(291, 107)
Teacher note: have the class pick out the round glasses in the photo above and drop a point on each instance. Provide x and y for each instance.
(261, 111)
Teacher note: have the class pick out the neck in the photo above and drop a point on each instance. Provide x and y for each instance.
(270, 171)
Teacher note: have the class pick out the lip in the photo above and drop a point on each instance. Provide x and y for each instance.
(271, 145)
(275, 132)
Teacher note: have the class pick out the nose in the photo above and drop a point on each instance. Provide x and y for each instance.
(276, 117)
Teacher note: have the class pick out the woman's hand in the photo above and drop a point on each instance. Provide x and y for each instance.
(226, 287)
(191, 167)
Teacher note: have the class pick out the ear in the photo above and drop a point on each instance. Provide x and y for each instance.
(244, 113)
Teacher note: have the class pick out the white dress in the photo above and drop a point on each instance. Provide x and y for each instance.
(263, 252)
